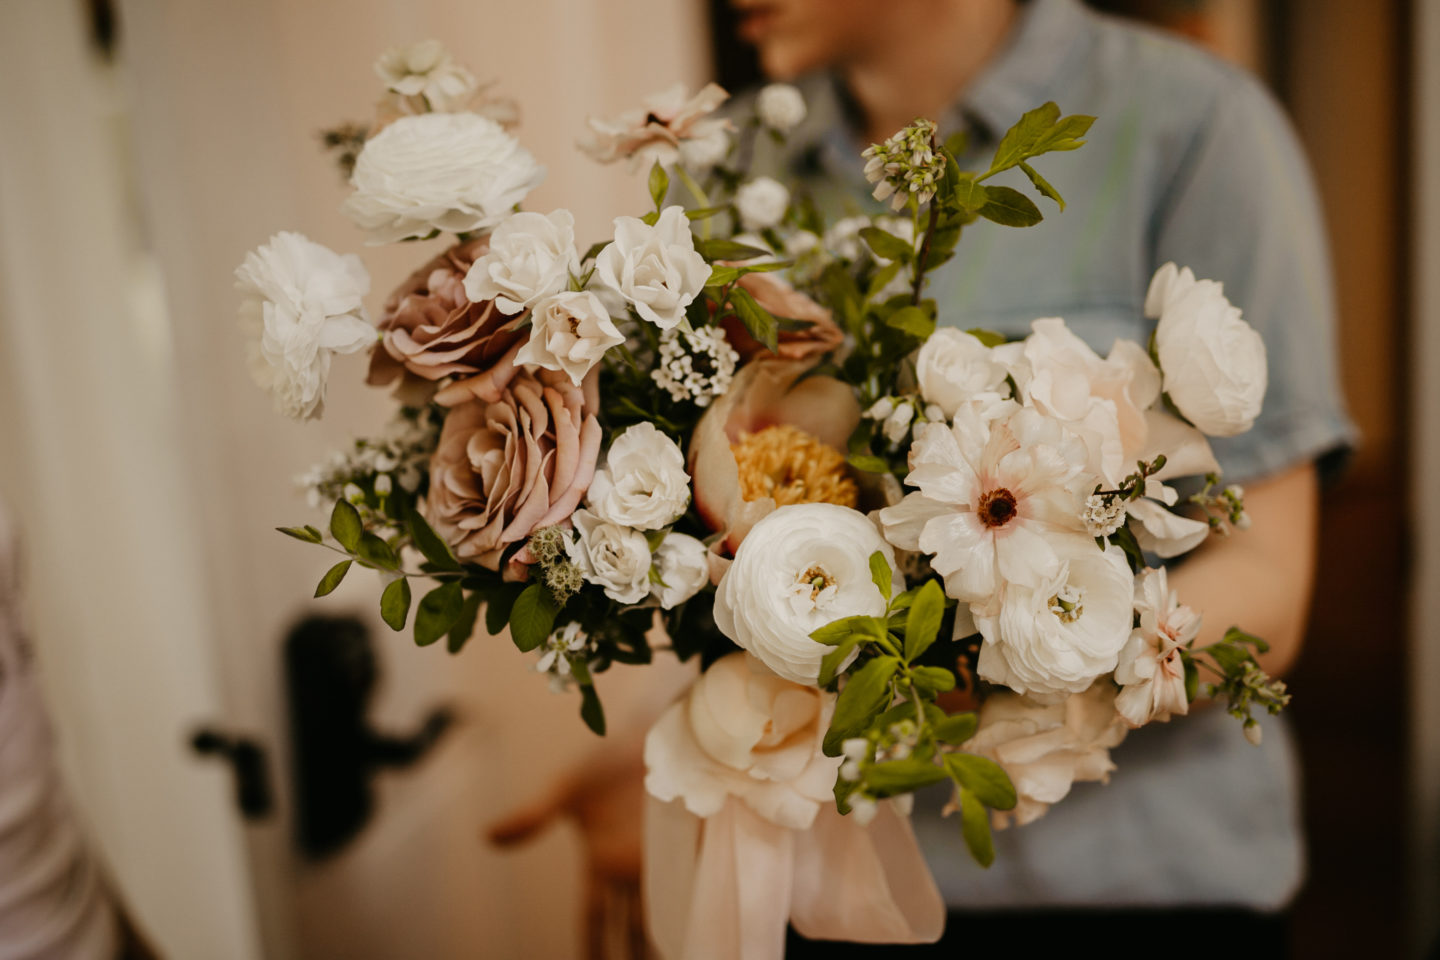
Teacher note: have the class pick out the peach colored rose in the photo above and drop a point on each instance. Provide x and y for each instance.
(506, 467)
(783, 301)
(430, 330)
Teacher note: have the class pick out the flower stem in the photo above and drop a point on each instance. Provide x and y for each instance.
(924, 254)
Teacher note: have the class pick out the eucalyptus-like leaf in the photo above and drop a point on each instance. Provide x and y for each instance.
(1043, 185)
(922, 626)
(377, 552)
(975, 827)
(659, 184)
(902, 776)
(830, 663)
(437, 612)
(429, 543)
(956, 729)
(1010, 208)
(887, 245)
(306, 534)
(983, 777)
(934, 680)
(499, 601)
(332, 578)
(346, 526)
(881, 573)
(533, 617)
(395, 603)
(865, 694)
(464, 627)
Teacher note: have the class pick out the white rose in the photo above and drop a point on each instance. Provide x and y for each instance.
(456, 172)
(1057, 637)
(611, 556)
(643, 483)
(1046, 749)
(531, 256)
(302, 303)
(1150, 670)
(954, 366)
(762, 203)
(781, 107)
(1213, 362)
(425, 69)
(657, 269)
(684, 567)
(571, 332)
(799, 568)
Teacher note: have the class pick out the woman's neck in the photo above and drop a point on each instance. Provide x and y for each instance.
(922, 58)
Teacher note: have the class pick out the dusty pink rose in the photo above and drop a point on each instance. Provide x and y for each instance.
(819, 336)
(430, 330)
(506, 467)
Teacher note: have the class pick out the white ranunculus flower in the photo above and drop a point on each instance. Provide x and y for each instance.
(657, 269)
(762, 203)
(531, 256)
(1150, 671)
(781, 107)
(456, 172)
(613, 557)
(569, 331)
(1213, 362)
(425, 69)
(1046, 749)
(799, 568)
(642, 483)
(954, 366)
(1057, 636)
(302, 303)
(684, 567)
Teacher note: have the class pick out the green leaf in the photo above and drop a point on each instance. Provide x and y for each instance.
(983, 777)
(988, 337)
(882, 278)
(956, 729)
(719, 276)
(464, 628)
(1043, 185)
(659, 184)
(437, 612)
(1192, 677)
(957, 143)
(1010, 208)
(1236, 635)
(860, 626)
(1065, 135)
(729, 250)
(395, 603)
(975, 827)
(499, 601)
(922, 626)
(934, 679)
(883, 576)
(903, 776)
(888, 246)
(1124, 538)
(705, 213)
(969, 195)
(830, 663)
(1020, 140)
(306, 533)
(590, 709)
(533, 617)
(429, 543)
(868, 463)
(913, 320)
(377, 552)
(594, 250)
(758, 321)
(866, 694)
(345, 525)
(332, 578)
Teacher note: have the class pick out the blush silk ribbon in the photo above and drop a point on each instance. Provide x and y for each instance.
(724, 887)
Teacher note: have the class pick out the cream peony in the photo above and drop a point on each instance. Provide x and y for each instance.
(780, 106)
(426, 70)
(683, 564)
(953, 366)
(642, 483)
(613, 557)
(1150, 672)
(569, 331)
(1057, 636)
(456, 172)
(302, 303)
(1213, 361)
(762, 203)
(661, 130)
(1047, 749)
(531, 256)
(799, 568)
(656, 269)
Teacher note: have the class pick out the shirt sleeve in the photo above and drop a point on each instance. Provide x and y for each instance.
(1242, 209)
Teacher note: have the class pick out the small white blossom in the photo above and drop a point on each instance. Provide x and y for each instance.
(1253, 732)
(850, 770)
(855, 748)
(863, 809)
(1103, 515)
(559, 651)
(781, 107)
(905, 165)
(696, 366)
(762, 203)
(353, 493)
(881, 409)
(425, 70)
(897, 425)
(383, 485)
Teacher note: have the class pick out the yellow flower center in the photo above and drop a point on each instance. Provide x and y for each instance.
(791, 466)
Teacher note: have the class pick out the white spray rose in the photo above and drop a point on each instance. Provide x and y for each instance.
(1056, 637)
(799, 568)
(657, 269)
(1213, 362)
(456, 172)
(425, 69)
(571, 332)
(611, 556)
(781, 107)
(643, 483)
(531, 256)
(302, 303)
(762, 203)
(684, 567)
(954, 366)
(1150, 670)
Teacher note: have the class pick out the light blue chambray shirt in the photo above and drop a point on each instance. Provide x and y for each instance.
(1189, 160)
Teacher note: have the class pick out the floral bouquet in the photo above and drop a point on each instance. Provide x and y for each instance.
(902, 553)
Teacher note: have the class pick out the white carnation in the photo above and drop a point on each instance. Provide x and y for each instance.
(571, 332)
(456, 172)
(954, 366)
(657, 269)
(799, 568)
(683, 564)
(302, 303)
(781, 107)
(1213, 362)
(425, 69)
(762, 203)
(531, 256)
(613, 557)
(643, 483)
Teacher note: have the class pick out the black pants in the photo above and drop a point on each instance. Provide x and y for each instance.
(1172, 934)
